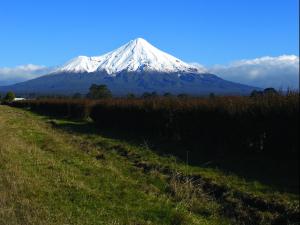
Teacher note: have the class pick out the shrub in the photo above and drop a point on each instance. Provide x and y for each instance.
(9, 97)
(130, 95)
(77, 96)
(99, 92)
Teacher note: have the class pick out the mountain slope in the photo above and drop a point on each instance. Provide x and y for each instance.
(125, 82)
(135, 67)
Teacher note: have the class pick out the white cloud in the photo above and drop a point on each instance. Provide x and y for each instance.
(200, 67)
(279, 72)
(21, 73)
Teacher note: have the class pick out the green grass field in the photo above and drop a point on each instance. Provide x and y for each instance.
(52, 173)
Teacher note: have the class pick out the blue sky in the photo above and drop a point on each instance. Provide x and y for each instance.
(205, 31)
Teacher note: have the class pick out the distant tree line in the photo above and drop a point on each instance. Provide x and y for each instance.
(265, 92)
(101, 91)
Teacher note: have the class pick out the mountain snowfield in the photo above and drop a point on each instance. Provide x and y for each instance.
(135, 67)
(137, 55)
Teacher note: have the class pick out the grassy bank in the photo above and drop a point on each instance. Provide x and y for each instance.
(55, 171)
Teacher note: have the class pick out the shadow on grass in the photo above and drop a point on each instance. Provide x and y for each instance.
(282, 174)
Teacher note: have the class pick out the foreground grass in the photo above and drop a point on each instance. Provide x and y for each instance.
(51, 173)
(51, 177)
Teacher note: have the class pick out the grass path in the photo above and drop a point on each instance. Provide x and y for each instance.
(52, 176)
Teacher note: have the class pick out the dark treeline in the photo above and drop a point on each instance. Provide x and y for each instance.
(265, 125)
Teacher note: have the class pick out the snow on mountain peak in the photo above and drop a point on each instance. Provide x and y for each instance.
(136, 56)
(80, 64)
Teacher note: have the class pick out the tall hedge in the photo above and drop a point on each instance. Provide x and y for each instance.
(265, 125)
(75, 109)
(268, 125)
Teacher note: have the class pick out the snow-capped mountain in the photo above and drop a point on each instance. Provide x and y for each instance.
(137, 55)
(135, 67)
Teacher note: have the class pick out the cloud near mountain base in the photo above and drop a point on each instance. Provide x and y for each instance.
(12, 75)
(280, 72)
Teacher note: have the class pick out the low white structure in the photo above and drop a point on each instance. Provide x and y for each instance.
(19, 99)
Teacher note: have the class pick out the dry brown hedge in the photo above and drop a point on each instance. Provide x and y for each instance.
(74, 109)
(265, 125)
(221, 125)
